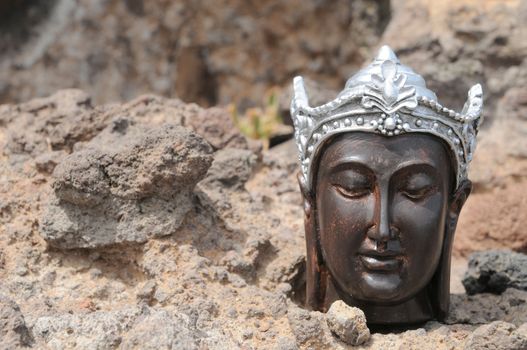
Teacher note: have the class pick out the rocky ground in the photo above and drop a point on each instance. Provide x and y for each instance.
(155, 224)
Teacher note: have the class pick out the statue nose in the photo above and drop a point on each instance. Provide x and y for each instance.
(380, 230)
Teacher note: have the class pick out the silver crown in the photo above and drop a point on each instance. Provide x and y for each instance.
(390, 99)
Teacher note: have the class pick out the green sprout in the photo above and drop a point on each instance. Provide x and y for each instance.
(261, 123)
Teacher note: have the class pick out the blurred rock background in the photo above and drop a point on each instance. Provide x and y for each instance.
(121, 211)
(211, 52)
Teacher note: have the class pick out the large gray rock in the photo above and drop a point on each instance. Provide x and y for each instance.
(510, 306)
(13, 331)
(129, 184)
(494, 271)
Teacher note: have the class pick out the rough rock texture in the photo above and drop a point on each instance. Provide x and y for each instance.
(13, 329)
(309, 328)
(348, 323)
(130, 328)
(511, 306)
(128, 184)
(206, 52)
(231, 260)
(497, 335)
(494, 271)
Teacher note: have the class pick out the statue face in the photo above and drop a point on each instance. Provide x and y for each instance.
(381, 204)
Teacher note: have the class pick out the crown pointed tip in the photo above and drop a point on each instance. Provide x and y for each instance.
(385, 54)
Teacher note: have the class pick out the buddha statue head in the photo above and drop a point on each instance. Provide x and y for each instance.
(383, 178)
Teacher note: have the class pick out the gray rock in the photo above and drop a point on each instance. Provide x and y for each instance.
(13, 330)
(231, 168)
(307, 326)
(494, 271)
(348, 323)
(497, 336)
(131, 183)
(510, 306)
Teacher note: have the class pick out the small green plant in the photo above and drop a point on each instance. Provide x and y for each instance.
(261, 123)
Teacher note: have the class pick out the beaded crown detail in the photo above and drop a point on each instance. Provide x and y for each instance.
(390, 99)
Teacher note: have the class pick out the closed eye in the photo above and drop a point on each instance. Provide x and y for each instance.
(418, 193)
(353, 193)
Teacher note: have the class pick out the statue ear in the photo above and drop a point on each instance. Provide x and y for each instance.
(458, 200)
(314, 288)
(441, 293)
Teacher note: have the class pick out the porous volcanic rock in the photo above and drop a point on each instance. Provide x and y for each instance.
(127, 185)
(510, 306)
(494, 271)
(309, 328)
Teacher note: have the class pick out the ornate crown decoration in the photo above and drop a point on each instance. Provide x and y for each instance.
(390, 99)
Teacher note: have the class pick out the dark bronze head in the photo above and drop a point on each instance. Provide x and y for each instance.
(382, 194)
(383, 212)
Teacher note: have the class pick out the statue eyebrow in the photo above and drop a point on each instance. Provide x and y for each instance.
(347, 164)
(425, 168)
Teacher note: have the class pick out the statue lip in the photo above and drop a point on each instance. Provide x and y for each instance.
(385, 253)
(386, 260)
(376, 263)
